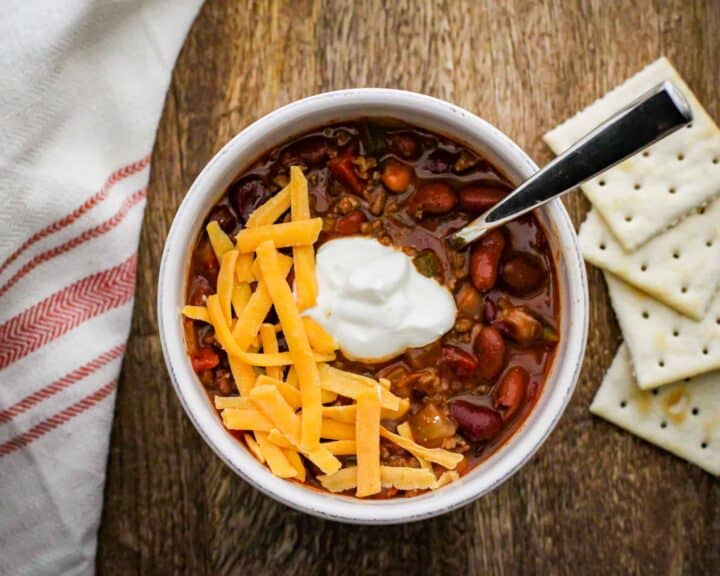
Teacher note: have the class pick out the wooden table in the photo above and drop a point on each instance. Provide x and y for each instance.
(594, 500)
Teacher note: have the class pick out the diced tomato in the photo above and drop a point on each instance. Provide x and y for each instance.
(342, 168)
(350, 223)
(204, 359)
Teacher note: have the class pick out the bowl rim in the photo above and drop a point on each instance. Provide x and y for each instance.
(515, 452)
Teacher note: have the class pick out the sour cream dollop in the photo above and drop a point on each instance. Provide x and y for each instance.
(375, 303)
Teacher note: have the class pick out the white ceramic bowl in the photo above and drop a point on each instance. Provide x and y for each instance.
(434, 115)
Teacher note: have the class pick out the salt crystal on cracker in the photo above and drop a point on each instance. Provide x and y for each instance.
(683, 418)
(680, 268)
(664, 346)
(651, 191)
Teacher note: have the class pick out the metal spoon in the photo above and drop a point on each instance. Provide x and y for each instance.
(655, 115)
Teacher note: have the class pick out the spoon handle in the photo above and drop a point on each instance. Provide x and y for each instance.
(656, 114)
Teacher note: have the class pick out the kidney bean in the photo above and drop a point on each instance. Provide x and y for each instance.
(344, 172)
(350, 223)
(511, 391)
(489, 345)
(404, 145)
(523, 273)
(462, 363)
(476, 423)
(199, 290)
(478, 198)
(484, 259)
(224, 217)
(246, 195)
(432, 198)
(311, 150)
(440, 161)
(204, 359)
(396, 176)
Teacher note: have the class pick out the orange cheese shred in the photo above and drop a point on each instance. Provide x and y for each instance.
(445, 458)
(243, 268)
(271, 403)
(268, 338)
(237, 419)
(399, 477)
(320, 340)
(225, 281)
(298, 344)
(275, 457)
(254, 448)
(334, 430)
(247, 326)
(296, 462)
(283, 235)
(196, 313)
(303, 256)
(367, 440)
(340, 447)
(241, 294)
(351, 385)
(219, 241)
(271, 210)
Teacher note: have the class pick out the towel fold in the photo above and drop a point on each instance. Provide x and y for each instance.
(81, 92)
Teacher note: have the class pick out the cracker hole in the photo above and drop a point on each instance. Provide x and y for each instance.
(645, 314)
(672, 190)
(689, 126)
(717, 321)
(683, 289)
(601, 182)
(661, 363)
(704, 445)
(663, 424)
(602, 246)
(676, 333)
(655, 392)
(676, 254)
(700, 210)
(637, 186)
(695, 411)
(623, 404)
(643, 267)
(716, 160)
(681, 157)
(628, 218)
(686, 380)
(646, 153)
(709, 243)
(705, 351)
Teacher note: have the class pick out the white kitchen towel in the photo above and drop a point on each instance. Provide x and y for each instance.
(82, 86)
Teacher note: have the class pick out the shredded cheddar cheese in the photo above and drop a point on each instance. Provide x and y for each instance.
(219, 241)
(284, 235)
(303, 256)
(367, 440)
(312, 412)
(196, 313)
(298, 344)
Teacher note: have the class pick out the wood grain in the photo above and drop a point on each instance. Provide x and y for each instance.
(594, 500)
